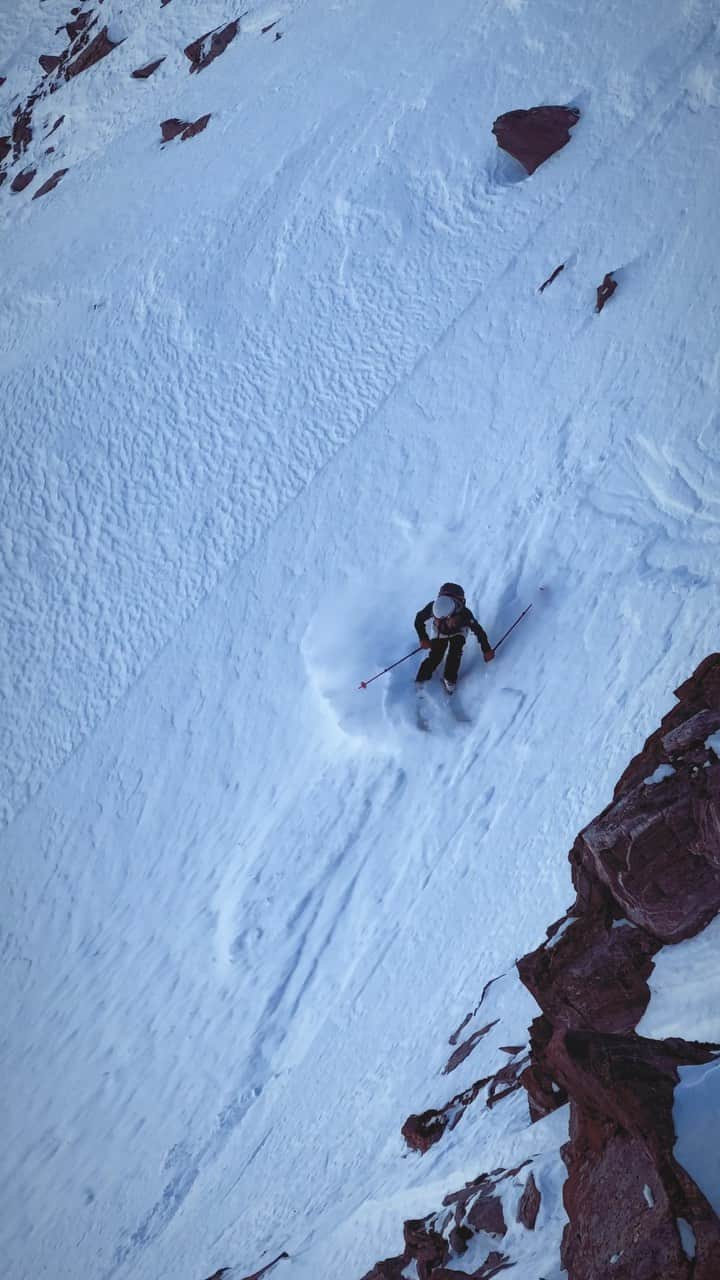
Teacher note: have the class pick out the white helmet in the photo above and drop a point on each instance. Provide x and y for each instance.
(444, 607)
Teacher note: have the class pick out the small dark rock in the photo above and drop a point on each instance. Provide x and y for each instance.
(466, 1048)
(256, 1275)
(49, 62)
(143, 73)
(551, 277)
(605, 291)
(5, 146)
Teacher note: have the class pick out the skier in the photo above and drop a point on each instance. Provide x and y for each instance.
(451, 620)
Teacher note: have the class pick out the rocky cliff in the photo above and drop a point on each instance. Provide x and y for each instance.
(646, 873)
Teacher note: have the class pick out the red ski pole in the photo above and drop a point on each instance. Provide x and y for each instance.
(364, 683)
(512, 628)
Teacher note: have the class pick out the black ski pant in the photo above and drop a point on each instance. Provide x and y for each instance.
(454, 647)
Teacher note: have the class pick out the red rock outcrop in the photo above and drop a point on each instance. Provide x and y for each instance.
(594, 973)
(50, 184)
(553, 276)
(422, 1131)
(465, 1049)
(535, 135)
(257, 1275)
(94, 52)
(184, 129)
(207, 48)
(647, 873)
(142, 73)
(81, 53)
(529, 1206)
(605, 291)
(437, 1240)
(622, 1137)
(22, 180)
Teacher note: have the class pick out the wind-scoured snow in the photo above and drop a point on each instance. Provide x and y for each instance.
(264, 391)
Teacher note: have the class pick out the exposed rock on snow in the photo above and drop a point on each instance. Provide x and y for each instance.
(22, 180)
(81, 53)
(529, 1205)
(433, 1241)
(183, 129)
(422, 1131)
(605, 291)
(535, 135)
(651, 859)
(646, 872)
(22, 128)
(142, 73)
(207, 48)
(595, 976)
(465, 1049)
(79, 24)
(656, 849)
(95, 51)
(553, 276)
(621, 1138)
(50, 184)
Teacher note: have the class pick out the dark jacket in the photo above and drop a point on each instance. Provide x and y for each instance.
(457, 624)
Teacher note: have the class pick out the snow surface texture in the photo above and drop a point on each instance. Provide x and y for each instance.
(263, 391)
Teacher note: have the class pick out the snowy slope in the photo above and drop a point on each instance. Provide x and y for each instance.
(264, 391)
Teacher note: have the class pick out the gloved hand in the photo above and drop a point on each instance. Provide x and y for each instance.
(425, 644)
(488, 655)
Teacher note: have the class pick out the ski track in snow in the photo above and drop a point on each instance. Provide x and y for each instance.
(265, 390)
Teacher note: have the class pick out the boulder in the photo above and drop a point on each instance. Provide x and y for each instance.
(533, 136)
